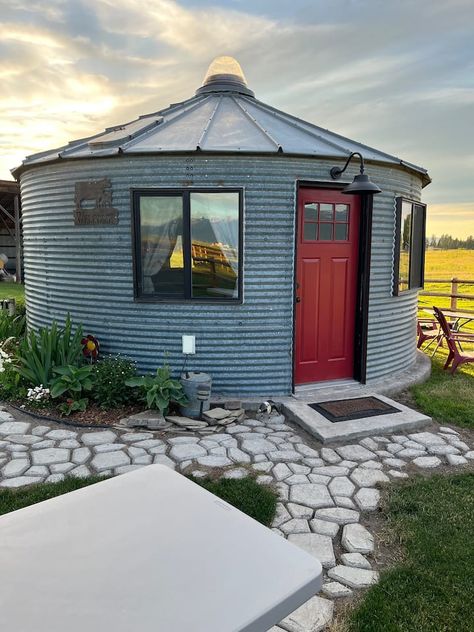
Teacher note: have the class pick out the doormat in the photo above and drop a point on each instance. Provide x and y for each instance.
(348, 409)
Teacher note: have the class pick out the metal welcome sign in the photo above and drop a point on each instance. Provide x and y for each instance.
(93, 199)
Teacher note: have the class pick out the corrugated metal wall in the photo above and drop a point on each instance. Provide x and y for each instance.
(87, 271)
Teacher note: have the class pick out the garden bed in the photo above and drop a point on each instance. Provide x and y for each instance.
(92, 416)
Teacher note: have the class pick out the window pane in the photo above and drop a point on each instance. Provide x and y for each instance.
(311, 212)
(341, 232)
(161, 229)
(215, 245)
(405, 248)
(325, 212)
(342, 212)
(417, 246)
(309, 232)
(325, 232)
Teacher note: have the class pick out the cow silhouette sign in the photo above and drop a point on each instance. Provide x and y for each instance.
(93, 199)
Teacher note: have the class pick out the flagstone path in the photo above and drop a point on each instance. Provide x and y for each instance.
(324, 492)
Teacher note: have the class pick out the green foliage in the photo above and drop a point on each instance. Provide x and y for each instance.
(72, 381)
(12, 384)
(160, 390)
(110, 381)
(11, 326)
(431, 590)
(40, 352)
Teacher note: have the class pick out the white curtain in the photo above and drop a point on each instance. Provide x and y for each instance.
(159, 232)
(227, 234)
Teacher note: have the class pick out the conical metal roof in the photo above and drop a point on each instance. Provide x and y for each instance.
(223, 116)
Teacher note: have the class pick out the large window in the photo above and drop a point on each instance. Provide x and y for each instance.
(409, 259)
(188, 245)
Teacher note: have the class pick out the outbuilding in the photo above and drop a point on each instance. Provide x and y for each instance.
(223, 218)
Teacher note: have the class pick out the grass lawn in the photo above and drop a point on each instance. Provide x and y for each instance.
(255, 500)
(432, 589)
(12, 290)
(445, 397)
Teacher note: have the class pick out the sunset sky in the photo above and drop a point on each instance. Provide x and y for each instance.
(396, 75)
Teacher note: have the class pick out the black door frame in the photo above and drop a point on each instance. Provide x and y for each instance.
(363, 275)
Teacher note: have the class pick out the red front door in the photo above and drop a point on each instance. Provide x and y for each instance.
(326, 285)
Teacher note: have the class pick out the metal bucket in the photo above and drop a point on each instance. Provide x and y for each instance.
(191, 381)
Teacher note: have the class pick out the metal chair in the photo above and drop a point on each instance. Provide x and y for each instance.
(456, 355)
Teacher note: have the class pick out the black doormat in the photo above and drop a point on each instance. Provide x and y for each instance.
(358, 408)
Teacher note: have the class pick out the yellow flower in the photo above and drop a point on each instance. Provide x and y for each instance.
(90, 345)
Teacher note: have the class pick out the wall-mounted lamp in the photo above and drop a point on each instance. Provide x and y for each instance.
(361, 182)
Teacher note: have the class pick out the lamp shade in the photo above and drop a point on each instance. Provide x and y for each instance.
(361, 184)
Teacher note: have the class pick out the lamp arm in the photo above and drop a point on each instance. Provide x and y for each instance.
(336, 172)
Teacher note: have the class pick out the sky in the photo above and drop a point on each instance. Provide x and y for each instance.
(397, 75)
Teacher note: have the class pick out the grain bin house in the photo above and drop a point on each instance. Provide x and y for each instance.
(219, 218)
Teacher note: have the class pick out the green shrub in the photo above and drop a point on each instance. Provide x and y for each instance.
(40, 352)
(71, 382)
(110, 383)
(159, 391)
(11, 326)
(12, 384)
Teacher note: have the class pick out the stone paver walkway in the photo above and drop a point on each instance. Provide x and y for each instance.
(323, 492)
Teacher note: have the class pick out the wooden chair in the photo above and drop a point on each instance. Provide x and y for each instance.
(456, 354)
(428, 329)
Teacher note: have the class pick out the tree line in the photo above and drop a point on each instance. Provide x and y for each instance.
(447, 242)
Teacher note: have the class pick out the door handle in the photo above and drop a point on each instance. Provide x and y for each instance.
(298, 299)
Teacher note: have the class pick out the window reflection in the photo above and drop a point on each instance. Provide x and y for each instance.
(405, 248)
(215, 244)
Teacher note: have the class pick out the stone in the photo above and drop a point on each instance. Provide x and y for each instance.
(311, 495)
(341, 486)
(313, 616)
(296, 468)
(131, 437)
(14, 427)
(284, 456)
(136, 451)
(257, 446)
(448, 430)
(15, 467)
(300, 511)
(69, 444)
(48, 456)
(81, 471)
(427, 438)
(96, 438)
(353, 577)
(215, 414)
(394, 463)
(186, 422)
(123, 469)
(13, 447)
(371, 465)
(410, 453)
(414, 445)
(80, 455)
(344, 501)
(339, 515)
(108, 447)
(334, 590)
(329, 455)
(356, 560)
(460, 445)
(46, 443)
(383, 454)
(296, 479)
(108, 460)
(20, 481)
(469, 455)
(367, 498)
(397, 474)
(368, 478)
(307, 451)
(442, 449)
(39, 431)
(150, 419)
(319, 478)
(37, 470)
(237, 473)
(454, 459)
(354, 453)
(187, 451)
(215, 461)
(281, 515)
(331, 470)
(58, 435)
(145, 459)
(313, 462)
(283, 490)
(161, 459)
(147, 444)
(323, 527)
(393, 448)
(5, 416)
(276, 419)
(23, 439)
(369, 443)
(264, 466)
(317, 545)
(61, 468)
(55, 478)
(427, 461)
(348, 464)
(357, 539)
(295, 525)
(238, 456)
(159, 449)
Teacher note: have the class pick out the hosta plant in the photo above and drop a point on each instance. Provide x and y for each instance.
(71, 382)
(159, 390)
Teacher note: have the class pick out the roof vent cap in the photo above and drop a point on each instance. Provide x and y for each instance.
(225, 75)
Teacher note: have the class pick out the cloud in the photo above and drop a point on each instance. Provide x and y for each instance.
(394, 78)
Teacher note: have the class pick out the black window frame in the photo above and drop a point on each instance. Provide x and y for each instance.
(185, 194)
(417, 250)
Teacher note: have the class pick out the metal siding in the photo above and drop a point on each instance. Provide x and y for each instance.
(247, 348)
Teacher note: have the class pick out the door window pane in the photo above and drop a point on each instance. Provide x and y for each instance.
(342, 212)
(325, 232)
(341, 232)
(161, 231)
(215, 244)
(311, 212)
(310, 232)
(325, 212)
